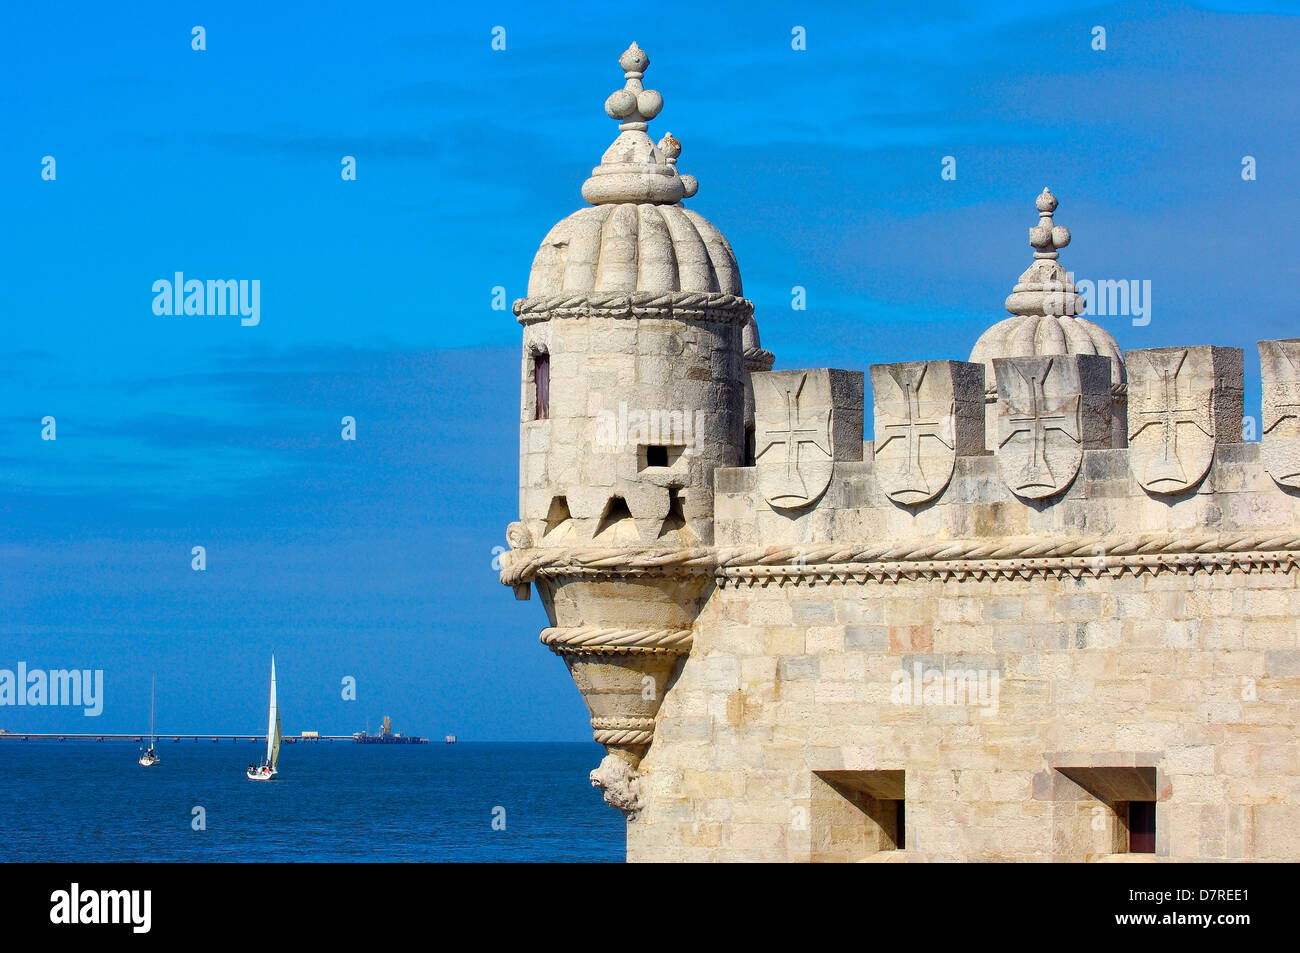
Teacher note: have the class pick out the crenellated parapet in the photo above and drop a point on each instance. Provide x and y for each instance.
(1048, 494)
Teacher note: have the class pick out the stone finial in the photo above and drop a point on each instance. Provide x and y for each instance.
(633, 168)
(633, 105)
(1045, 289)
(1046, 237)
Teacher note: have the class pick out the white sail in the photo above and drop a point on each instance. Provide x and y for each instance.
(275, 748)
(273, 724)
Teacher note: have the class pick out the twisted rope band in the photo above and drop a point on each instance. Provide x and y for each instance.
(594, 640)
(638, 736)
(680, 304)
(1026, 556)
(523, 565)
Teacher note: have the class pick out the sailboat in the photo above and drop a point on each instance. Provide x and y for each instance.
(266, 770)
(149, 758)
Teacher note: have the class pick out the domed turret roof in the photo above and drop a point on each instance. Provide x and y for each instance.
(1045, 309)
(637, 237)
(634, 247)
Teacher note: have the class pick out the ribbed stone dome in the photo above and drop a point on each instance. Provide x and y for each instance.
(636, 237)
(634, 247)
(1045, 308)
(1030, 335)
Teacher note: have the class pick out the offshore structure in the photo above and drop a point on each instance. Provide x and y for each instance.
(387, 736)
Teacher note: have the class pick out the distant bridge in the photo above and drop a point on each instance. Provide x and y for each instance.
(74, 736)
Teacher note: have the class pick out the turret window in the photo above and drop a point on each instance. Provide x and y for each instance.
(658, 455)
(542, 386)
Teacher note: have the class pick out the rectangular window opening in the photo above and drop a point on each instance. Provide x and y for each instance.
(659, 455)
(1141, 827)
(1117, 805)
(855, 814)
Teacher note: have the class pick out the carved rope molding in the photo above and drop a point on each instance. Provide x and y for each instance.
(1023, 557)
(593, 640)
(524, 565)
(605, 736)
(616, 730)
(683, 304)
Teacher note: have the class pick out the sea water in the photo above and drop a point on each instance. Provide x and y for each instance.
(333, 801)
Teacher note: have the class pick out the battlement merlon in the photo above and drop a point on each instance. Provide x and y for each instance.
(1048, 492)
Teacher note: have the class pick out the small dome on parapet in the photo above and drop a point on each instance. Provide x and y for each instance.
(638, 237)
(1045, 309)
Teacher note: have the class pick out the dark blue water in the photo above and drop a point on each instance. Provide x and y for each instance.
(90, 801)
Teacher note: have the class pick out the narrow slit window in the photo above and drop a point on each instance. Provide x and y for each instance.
(542, 386)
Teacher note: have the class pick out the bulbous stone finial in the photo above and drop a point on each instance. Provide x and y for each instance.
(634, 59)
(634, 169)
(632, 104)
(1046, 237)
(1045, 288)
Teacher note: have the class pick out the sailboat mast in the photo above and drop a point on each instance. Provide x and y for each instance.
(152, 683)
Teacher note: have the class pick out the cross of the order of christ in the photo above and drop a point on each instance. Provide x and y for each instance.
(1032, 414)
(1286, 393)
(1285, 405)
(912, 428)
(1160, 411)
(812, 431)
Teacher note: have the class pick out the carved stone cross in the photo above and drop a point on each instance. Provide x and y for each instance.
(1051, 408)
(814, 431)
(1183, 402)
(1039, 417)
(927, 414)
(911, 427)
(1164, 412)
(1279, 435)
(804, 421)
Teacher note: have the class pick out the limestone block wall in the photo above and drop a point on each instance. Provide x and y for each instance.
(1105, 647)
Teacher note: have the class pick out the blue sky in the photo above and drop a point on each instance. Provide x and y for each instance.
(373, 558)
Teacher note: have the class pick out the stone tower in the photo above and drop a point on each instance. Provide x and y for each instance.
(1049, 611)
(637, 348)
